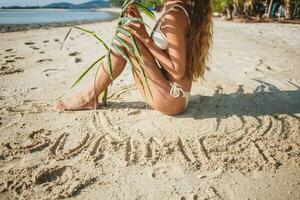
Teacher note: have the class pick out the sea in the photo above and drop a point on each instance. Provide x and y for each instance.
(44, 16)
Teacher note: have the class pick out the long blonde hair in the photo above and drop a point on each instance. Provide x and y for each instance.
(200, 35)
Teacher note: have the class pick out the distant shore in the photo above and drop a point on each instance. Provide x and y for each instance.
(25, 27)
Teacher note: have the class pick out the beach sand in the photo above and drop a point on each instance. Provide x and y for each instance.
(238, 139)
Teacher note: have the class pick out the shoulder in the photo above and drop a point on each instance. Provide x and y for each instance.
(178, 17)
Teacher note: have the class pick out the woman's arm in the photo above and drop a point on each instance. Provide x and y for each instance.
(176, 26)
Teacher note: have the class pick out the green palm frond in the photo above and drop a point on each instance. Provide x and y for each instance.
(67, 35)
(159, 2)
(131, 48)
(137, 58)
(95, 35)
(127, 58)
(126, 4)
(124, 20)
(133, 42)
(84, 73)
(145, 10)
(108, 62)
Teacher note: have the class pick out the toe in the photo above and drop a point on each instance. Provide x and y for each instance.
(60, 105)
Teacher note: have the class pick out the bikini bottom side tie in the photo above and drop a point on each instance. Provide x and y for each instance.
(176, 91)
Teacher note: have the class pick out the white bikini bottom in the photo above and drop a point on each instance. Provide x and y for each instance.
(176, 90)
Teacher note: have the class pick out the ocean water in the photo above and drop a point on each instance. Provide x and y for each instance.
(41, 16)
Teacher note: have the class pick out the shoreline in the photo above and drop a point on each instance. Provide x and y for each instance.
(6, 28)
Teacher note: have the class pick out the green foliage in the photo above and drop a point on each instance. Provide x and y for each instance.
(220, 5)
(116, 2)
(296, 9)
(134, 51)
(147, 3)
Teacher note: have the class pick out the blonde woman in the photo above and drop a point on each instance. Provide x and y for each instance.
(174, 54)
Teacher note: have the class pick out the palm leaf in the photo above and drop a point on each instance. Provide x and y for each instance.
(145, 10)
(127, 58)
(134, 50)
(86, 71)
(123, 54)
(159, 2)
(138, 60)
(125, 20)
(95, 35)
(126, 5)
(140, 80)
(130, 50)
(121, 51)
(126, 2)
(127, 33)
(65, 38)
(124, 43)
(104, 96)
(108, 62)
(133, 41)
(83, 74)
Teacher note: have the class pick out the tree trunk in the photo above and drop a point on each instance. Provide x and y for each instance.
(288, 9)
(270, 8)
(228, 14)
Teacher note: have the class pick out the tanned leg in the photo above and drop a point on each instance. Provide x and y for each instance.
(88, 97)
(161, 99)
(159, 85)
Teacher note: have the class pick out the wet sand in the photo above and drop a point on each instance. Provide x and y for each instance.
(238, 139)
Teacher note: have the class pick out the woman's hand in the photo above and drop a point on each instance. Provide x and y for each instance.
(133, 12)
(136, 28)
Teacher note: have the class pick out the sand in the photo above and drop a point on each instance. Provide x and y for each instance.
(238, 139)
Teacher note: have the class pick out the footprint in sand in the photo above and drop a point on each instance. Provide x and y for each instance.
(20, 58)
(45, 41)
(44, 60)
(56, 40)
(51, 174)
(42, 52)
(34, 48)
(8, 50)
(6, 70)
(3, 68)
(77, 60)
(74, 53)
(268, 67)
(29, 43)
(10, 61)
(10, 56)
(48, 72)
(261, 65)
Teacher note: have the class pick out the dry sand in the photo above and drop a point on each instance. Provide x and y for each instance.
(238, 139)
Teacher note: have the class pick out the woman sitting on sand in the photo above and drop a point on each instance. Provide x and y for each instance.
(174, 55)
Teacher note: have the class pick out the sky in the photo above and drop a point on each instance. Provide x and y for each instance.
(37, 2)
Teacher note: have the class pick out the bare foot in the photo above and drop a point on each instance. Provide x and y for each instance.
(80, 101)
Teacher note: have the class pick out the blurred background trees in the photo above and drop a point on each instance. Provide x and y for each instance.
(289, 9)
(258, 8)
